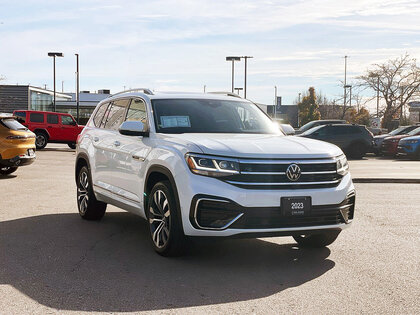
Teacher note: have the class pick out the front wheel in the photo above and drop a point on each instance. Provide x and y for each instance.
(166, 231)
(89, 207)
(72, 145)
(317, 240)
(6, 170)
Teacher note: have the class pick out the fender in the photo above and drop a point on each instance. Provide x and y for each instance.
(165, 171)
(81, 156)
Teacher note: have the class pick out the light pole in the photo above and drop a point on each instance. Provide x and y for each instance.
(233, 59)
(345, 80)
(54, 54)
(275, 101)
(349, 87)
(377, 99)
(77, 87)
(246, 59)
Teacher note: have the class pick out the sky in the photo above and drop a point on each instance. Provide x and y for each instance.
(181, 45)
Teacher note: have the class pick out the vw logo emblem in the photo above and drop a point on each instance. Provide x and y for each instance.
(293, 172)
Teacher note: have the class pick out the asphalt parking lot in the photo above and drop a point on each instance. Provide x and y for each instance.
(51, 261)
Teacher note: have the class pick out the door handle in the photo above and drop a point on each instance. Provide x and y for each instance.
(96, 139)
(117, 143)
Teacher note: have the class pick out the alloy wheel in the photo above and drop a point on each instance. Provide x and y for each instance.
(159, 218)
(40, 140)
(82, 192)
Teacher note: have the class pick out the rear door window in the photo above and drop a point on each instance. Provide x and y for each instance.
(52, 119)
(36, 117)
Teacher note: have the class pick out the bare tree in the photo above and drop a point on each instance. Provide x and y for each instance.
(397, 81)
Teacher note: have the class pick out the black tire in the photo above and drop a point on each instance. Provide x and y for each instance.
(41, 140)
(163, 215)
(89, 207)
(317, 240)
(72, 145)
(6, 170)
(357, 150)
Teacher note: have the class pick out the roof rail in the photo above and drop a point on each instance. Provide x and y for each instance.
(144, 90)
(226, 93)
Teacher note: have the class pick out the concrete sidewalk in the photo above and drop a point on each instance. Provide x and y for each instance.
(385, 170)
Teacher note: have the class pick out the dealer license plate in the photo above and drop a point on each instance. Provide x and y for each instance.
(296, 206)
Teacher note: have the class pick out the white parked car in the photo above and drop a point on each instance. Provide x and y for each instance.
(209, 165)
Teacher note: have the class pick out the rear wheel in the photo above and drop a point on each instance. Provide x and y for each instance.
(72, 145)
(166, 231)
(317, 240)
(6, 170)
(357, 150)
(89, 207)
(41, 140)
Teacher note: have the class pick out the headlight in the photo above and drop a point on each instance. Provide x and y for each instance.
(342, 165)
(395, 140)
(211, 165)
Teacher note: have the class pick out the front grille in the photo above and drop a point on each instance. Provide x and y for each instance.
(268, 218)
(271, 174)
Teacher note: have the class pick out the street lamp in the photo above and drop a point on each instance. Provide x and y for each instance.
(77, 87)
(55, 54)
(246, 59)
(233, 59)
(348, 86)
(238, 90)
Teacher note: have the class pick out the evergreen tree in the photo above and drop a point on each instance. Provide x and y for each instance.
(309, 108)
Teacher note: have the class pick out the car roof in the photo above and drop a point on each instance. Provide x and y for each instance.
(176, 95)
(40, 112)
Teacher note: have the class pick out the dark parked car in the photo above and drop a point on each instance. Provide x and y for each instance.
(377, 140)
(316, 123)
(354, 140)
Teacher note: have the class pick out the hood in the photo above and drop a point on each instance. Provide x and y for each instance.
(257, 145)
(412, 138)
(382, 136)
(396, 137)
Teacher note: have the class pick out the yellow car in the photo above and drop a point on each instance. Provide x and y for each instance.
(17, 145)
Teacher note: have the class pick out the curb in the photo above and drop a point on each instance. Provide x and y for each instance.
(387, 180)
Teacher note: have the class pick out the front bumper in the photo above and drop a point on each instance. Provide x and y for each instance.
(389, 148)
(19, 160)
(407, 149)
(257, 213)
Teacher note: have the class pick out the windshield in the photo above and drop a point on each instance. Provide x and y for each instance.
(312, 130)
(397, 131)
(307, 126)
(210, 116)
(12, 124)
(414, 132)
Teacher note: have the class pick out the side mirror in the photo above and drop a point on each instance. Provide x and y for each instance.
(133, 128)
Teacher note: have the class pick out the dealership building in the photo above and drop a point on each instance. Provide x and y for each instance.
(27, 97)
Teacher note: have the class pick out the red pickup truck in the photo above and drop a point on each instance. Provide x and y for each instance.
(50, 127)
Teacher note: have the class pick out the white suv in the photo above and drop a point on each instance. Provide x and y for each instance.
(209, 165)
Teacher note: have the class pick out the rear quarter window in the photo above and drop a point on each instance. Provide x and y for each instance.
(36, 117)
(21, 116)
